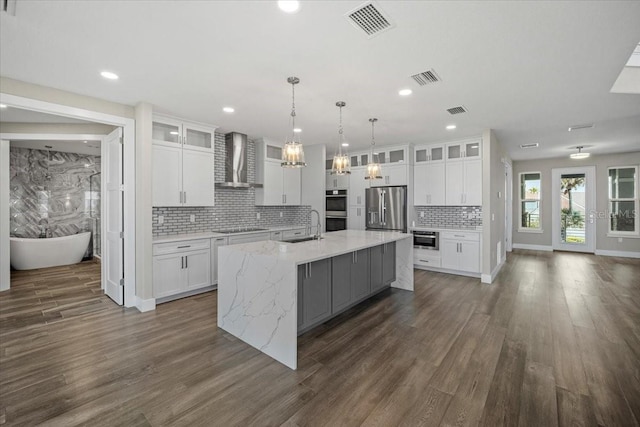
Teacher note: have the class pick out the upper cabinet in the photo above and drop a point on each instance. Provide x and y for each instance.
(281, 186)
(429, 154)
(183, 163)
(336, 182)
(464, 149)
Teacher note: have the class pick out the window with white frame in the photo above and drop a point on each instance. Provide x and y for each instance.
(623, 200)
(530, 213)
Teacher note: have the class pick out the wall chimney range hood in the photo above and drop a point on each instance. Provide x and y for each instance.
(235, 165)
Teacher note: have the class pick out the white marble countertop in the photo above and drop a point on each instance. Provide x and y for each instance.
(211, 234)
(472, 229)
(331, 244)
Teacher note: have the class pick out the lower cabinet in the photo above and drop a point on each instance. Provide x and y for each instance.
(460, 251)
(355, 218)
(328, 286)
(314, 292)
(216, 243)
(181, 267)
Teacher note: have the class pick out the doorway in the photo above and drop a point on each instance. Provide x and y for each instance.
(573, 204)
(124, 293)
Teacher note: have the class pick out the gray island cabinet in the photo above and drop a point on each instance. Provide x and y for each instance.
(269, 292)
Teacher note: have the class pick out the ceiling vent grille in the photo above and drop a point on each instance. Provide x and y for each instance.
(370, 19)
(457, 110)
(426, 77)
(526, 146)
(578, 127)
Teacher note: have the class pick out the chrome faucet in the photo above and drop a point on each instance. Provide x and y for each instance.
(318, 225)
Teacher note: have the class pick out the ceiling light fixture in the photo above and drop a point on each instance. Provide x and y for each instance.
(289, 6)
(292, 151)
(451, 127)
(228, 109)
(405, 92)
(579, 155)
(109, 75)
(341, 162)
(373, 167)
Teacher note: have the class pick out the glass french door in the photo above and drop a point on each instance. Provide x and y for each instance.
(573, 209)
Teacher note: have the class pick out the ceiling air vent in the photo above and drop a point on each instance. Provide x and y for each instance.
(533, 145)
(578, 127)
(369, 18)
(457, 110)
(426, 77)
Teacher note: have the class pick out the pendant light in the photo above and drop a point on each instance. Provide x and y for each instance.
(292, 151)
(579, 154)
(341, 162)
(373, 167)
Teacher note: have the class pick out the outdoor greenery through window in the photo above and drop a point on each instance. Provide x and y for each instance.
(623, 200)
(530, 201)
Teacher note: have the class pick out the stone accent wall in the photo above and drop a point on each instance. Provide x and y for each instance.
(233, 207)
(53, 193)
(449, 216)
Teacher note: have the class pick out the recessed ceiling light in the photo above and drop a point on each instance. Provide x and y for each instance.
(297, 130)
(228, 109)
(345, 144)
(531, 145)
(84, 142)
(451, 127)
(3, 106)
(578, 127)
(289, 6)
(109, 75)
(173, 132)
(405, 92)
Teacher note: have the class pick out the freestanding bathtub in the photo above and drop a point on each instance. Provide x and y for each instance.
(27, 254)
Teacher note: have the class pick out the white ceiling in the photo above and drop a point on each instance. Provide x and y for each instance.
(528, 70)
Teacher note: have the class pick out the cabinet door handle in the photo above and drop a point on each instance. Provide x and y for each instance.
(186, 262)
(353, 257)
(181, 262)
(185, 196)
(285, 198)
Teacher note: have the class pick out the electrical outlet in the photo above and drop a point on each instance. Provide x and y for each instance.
(257, 215)
(493, 217)
(160, 219)
(619, 239)
(192, 218)
(281, 214)
(422, 214)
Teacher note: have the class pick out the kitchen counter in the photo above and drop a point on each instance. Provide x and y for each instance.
(421, 228)
(258, 283)
(211, 234)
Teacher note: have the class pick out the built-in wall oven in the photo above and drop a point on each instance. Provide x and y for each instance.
(336, 210)
(426, 240)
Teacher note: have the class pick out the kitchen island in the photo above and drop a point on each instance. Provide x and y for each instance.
(260, 283)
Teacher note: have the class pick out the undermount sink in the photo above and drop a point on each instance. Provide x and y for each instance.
(300, 239)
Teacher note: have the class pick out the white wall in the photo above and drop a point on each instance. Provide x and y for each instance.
(545, 166)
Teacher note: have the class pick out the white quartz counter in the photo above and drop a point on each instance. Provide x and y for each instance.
(258, 285)
(472, 229)
(211, 234)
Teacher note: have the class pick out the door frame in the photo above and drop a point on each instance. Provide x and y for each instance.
(508, 207)
(590, 205)
(129, 167)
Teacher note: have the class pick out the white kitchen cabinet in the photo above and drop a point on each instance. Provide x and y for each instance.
(281, 186)
(216, 243)
(429, 154)
(294, 233)
(463, 183)
(357, 187)
(180, 267)
(460, 251)
(392, 175)
(464, 150)
(237, 239)
(183, 163)
(336, 182)
(356, 218)
(429, 184)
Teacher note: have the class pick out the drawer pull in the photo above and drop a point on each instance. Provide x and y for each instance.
(424, 260)
(182, 247)
(220, 240)
(297, 233)
(458, 235)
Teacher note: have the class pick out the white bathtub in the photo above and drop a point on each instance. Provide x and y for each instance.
(27, 254)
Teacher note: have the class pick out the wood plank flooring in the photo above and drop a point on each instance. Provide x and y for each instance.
(555, 341)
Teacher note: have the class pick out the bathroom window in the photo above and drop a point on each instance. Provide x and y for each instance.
(623, 201)
(530, 212)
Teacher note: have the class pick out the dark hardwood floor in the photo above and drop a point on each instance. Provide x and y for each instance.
(554, 341)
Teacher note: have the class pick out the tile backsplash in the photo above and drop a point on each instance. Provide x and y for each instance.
(449, 216)
(233, 207)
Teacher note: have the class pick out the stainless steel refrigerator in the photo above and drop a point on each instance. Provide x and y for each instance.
(386, 208)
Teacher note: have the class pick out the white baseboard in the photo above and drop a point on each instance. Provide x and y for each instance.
(145, 304)
(533, 247)
(488, 278)
(624, 254)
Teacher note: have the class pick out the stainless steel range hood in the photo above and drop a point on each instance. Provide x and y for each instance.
(235, 165)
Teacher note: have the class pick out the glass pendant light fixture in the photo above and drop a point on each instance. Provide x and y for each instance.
(373, 167)
(580, 154)
(292, 151)
(341, 162)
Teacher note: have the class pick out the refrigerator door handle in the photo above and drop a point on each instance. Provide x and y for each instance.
(383, 208)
